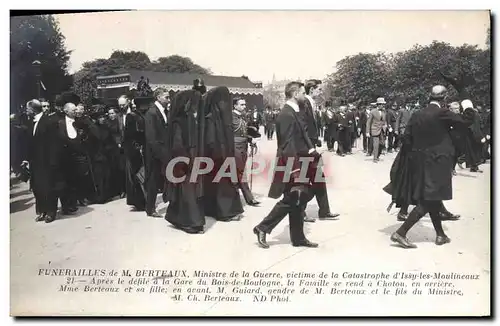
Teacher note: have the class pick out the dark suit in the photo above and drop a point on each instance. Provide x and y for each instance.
(292, 144)
(43, 160)
(155, 154)
(363, 118)
(310, 121)
(391, 120)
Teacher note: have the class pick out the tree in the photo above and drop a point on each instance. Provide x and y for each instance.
(179, 64)
(37, 38)
(360, 78)
(121, 62)
(409, 75)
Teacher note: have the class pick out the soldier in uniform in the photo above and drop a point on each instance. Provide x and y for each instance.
(269, 117)
(241, 141)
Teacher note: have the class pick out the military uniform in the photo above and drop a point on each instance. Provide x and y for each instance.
(241, 140)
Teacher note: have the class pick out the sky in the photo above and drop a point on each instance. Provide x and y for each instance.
(260, 44)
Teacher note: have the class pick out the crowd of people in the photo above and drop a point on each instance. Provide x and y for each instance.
(79, 156)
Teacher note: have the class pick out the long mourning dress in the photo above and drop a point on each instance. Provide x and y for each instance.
(133, 143)
(221, 199)
(185, 210)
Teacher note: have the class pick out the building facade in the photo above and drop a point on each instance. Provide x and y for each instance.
(111, 87)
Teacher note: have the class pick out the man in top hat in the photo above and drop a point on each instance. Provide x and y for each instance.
(430, 180)
(375, 127)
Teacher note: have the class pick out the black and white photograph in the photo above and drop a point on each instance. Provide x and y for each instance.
(251, 163)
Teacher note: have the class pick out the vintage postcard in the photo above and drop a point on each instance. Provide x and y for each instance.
(250, 163)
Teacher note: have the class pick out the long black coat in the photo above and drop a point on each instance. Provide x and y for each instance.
(432, 155)
(133, 143)
(155, 154)
(311, 125)
(472, 138)
(43, 156)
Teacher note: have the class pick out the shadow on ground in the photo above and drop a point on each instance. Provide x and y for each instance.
(419, 233)
(21, 204)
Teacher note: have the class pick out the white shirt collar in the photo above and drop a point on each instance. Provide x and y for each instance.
(437, 103)
(37, 117)
(159, 106)
(162, 110)
(236, 112)
(68, 119)
(294, 105)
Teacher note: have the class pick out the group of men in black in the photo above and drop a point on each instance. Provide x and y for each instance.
(431, 145)
(79, 157)
(432, 141)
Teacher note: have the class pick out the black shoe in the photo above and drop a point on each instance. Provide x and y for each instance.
(261, 238)
(441, 240)
(155, 214)
(328, 216)
(254, 203)
(309, 219)
(402, 217)
(476, 170)
(123, 195)
(403, 242)
(40, 217)
(191, 230)
(305, 243)
(50, 218)
(448, 216)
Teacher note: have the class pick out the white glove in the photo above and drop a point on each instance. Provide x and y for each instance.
(368, 135)
(483, 140)
(488, 137)
(390, 129)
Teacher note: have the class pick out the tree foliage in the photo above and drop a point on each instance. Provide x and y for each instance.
(84, 81)
(409, 75)
(37, 38)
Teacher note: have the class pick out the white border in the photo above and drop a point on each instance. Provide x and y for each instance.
(200, 4)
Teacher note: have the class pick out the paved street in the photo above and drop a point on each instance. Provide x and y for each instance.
(111, 236)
